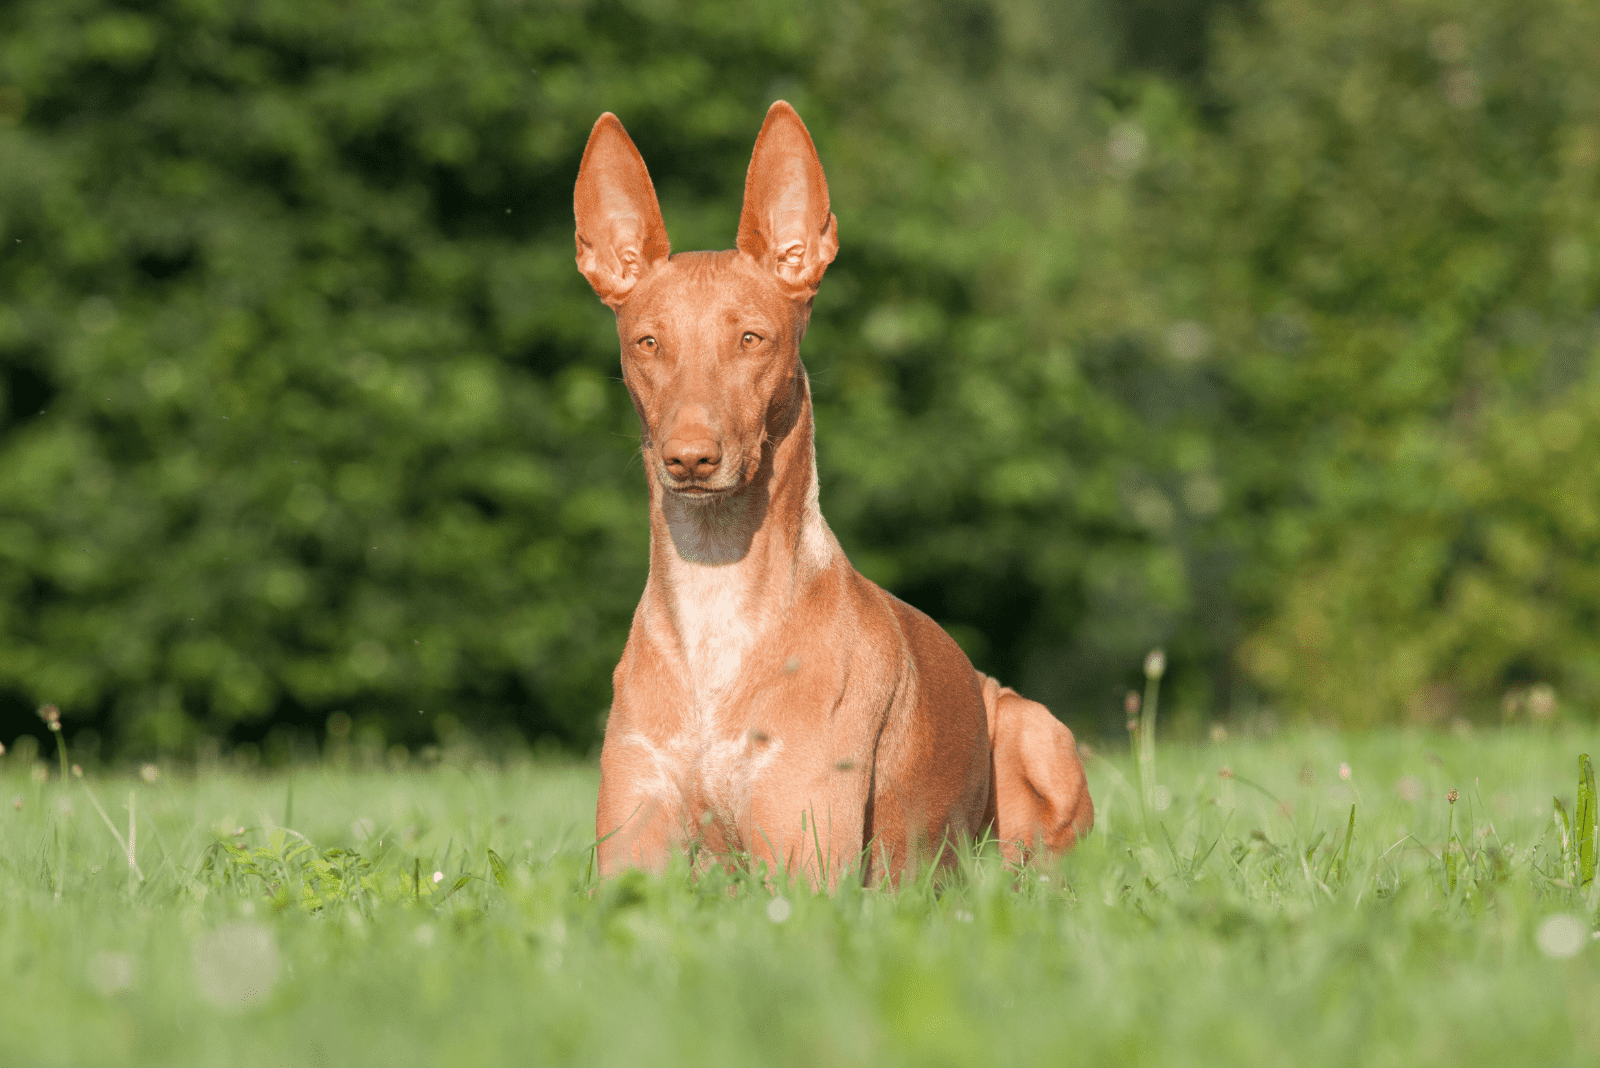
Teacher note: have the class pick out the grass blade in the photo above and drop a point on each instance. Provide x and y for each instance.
(497, 868)
(1564, 825)
(1585, 819)
(1451, 860)
(1154, 667)
(1344, 851)
(122, 843)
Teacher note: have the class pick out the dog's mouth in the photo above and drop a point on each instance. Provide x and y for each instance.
(721, 484)
(693, 492)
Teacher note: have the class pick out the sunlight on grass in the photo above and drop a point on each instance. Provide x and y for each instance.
(1308, 899)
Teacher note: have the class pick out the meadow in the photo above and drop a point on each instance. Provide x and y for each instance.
(348, 912)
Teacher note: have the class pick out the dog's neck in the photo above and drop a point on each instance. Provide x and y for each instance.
(723, 569)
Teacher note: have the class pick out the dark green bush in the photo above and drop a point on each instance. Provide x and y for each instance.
(1288, 363)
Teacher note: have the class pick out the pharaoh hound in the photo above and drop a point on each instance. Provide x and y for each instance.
(771, 701)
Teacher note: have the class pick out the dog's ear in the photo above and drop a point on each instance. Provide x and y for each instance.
(786, 225)
(621, 237)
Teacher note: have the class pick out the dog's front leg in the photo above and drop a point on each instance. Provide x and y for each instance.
(640, 815)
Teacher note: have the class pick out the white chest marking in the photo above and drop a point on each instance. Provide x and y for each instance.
(716, 611)
(721, 608)
(717, 625)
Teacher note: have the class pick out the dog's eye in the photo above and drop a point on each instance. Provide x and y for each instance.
(750, 340)
(646, 344)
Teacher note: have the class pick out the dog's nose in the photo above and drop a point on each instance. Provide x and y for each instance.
(692, 456)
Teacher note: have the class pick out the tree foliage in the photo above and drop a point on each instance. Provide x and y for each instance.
(1286, 360)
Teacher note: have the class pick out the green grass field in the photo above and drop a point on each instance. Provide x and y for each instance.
(297, 920)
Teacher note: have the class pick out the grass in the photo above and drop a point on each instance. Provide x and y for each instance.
(1239, 924)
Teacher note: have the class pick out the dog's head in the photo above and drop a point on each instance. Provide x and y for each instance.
(710, 340)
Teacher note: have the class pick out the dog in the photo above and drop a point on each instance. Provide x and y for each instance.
(771, 702)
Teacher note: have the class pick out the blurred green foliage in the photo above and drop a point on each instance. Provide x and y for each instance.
(1282, 352)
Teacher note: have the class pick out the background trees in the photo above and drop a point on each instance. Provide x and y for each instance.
(1277, 346)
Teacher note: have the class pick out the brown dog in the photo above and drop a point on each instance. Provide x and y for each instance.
(770, 699)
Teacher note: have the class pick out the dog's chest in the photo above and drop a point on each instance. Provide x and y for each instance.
(720, 754)
(717, 624)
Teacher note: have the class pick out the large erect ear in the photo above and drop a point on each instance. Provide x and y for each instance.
(786, 225)
(621, 237)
